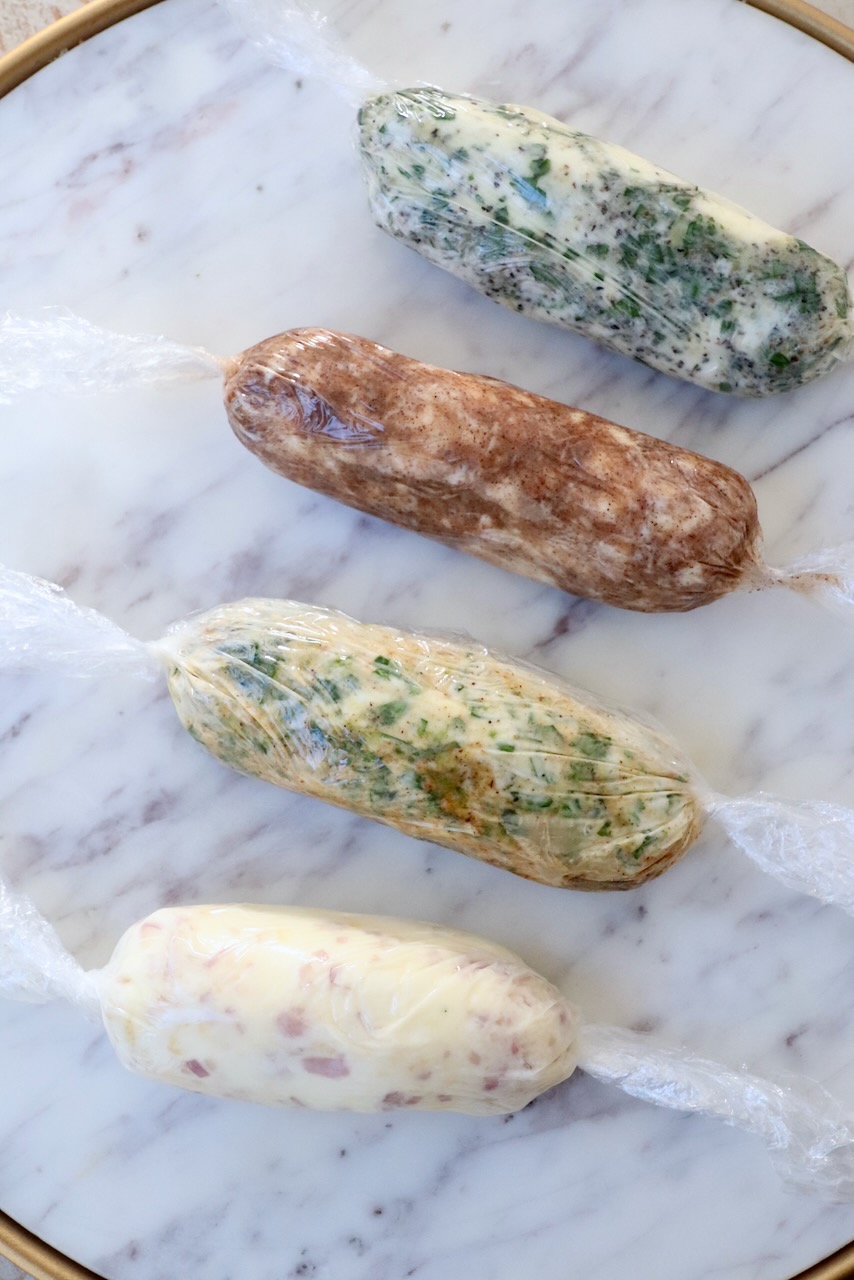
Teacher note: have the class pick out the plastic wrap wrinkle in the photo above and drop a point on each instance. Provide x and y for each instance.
(827, 576)
(807, 845)
(34, 965)
(808, 1133)
(42, 629)
(299, 40)
(58, 351)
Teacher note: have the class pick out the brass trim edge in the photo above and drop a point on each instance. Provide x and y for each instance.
(20, 1246)
(839, 1266)
(805, 17)
(62, 35)
(40, 1260)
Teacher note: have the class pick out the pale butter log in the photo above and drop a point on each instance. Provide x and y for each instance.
(323, 1009)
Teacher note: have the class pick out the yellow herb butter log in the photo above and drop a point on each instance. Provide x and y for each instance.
(441, 739)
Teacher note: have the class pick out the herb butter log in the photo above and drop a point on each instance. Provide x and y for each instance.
(439, 739)
(527, 483)
(562, 227)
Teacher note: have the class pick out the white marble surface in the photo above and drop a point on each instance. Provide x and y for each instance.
(162, 178)
(22, 18)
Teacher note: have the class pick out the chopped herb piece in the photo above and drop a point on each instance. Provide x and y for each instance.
(592, 745)
(628, 306)
(330, 688)
(545, 274)
(582, 771)
(389, 712)
(641, 849)
(539, 167)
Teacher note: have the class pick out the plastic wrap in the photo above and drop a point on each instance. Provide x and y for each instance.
(60, 351)
(826, 576)
(300, 40)
(436, 737)
(41, 629)
(807, 1132)
(286, 1006)
(561, 227)
(34, 965)
(808, 846)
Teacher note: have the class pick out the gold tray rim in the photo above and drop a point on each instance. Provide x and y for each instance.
(20, 1246)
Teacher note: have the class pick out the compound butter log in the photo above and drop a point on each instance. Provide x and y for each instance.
(524, 482)
(323, 1009)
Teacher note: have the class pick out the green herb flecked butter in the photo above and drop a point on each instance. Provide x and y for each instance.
(564, 228)
(439, 739)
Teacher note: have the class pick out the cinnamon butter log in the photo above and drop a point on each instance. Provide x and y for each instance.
(527, 483)
(532, 485)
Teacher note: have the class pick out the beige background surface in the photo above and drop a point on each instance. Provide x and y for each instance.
(10, 1272)
(20, 18)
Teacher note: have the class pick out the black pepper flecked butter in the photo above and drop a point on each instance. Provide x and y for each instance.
(562, 227)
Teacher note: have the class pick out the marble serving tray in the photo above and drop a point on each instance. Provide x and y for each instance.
(163, 178)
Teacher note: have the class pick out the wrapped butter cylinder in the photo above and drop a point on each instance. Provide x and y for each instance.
(333, 1011)
(441, 739)
(527, 483)
(563, 227)
(438, 738)
(288, 1006)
